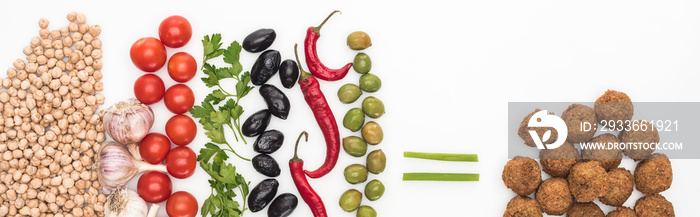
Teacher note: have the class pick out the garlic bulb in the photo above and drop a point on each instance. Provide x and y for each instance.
(116, 166)
(125, 203)
(128, 121)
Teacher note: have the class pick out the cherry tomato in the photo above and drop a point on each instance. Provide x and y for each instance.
(181, 204)
(175, 31)
(182, 67)
(149, 89)
(181, 129)
(181, 162)
(154, 147)
(148, 54)
(154, 186)
(179, 98)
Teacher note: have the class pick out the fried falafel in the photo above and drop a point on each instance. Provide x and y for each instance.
(654, 205)
(554, 196)
(622, 211)
(613, 106)
(521, 206)
(588, 181)
(559, 161)
(585, 210)
(525, 135)
(654, 174)
(640, 143)
(609, 156)
(621, 184)
(574, 116)
(522, 175)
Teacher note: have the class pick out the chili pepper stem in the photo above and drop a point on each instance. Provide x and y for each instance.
(296, 146)
(317, 29)
(304, 74)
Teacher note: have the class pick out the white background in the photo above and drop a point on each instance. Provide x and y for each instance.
(448, 71)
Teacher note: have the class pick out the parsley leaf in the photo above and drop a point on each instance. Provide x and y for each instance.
(214, 116)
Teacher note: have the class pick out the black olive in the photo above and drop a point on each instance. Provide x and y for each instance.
(265, 67)
(256, 123)
(276, 101)
(262, 194)
(289, 72)
(283, 205)
(259, 40)
(266, 165)
(268, 142)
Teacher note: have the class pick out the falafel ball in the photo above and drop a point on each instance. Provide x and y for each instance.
(588, 181)
(557, 162)
(640, 142)
(613, 106)
(574, 116)
(522, 175)
(654, 205)
(585, 210)
(554, 196)
(525, 135)
(622, 211)
(621, 184)
(521, 206)
(654, 174)
(609, 156)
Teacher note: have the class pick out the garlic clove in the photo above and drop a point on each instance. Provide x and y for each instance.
(128, 121)
(116, 166)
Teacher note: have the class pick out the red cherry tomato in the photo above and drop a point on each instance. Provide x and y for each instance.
(181, 162)
(148, 54)
(181, 129)
(182, 67)
(149, 89)
(154, 147)
(181, 204)
(179, 98)
(175, 31)
(154, 186)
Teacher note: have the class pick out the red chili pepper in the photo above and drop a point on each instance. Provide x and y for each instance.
(324, 117)
(296, 168)
(315, 66)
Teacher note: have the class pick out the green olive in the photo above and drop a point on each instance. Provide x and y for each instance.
(374, 190)
(356, 173)
(348, 93)
(354, 119)
(355, 146)
(359, 40)
(362, 63)
(350, 200)
(376, 161)
(373, 107)
(372, 133)
(370, 83)
(366, 211)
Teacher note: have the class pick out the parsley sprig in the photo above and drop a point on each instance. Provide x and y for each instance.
(214, 116)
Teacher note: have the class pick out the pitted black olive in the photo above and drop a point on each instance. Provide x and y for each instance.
(268, 142)
(262, 194)
(265, 67)
(289, 72)
(266, 165)
(259, 40)
(256, 123)
(276, 101)
(283, 205)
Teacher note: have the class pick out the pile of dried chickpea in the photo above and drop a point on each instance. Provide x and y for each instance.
(50, 129)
